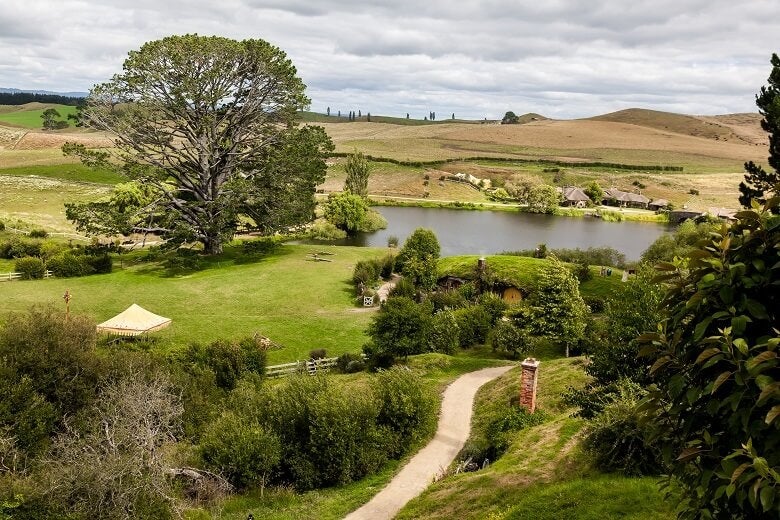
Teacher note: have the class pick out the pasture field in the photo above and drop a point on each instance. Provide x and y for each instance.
(39, 201)
(24, 117)
(296, 302)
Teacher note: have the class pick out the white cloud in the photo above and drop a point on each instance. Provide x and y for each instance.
(561, 58)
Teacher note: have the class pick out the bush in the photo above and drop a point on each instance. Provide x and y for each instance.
(616, 439)
(366, 272)
(17, 247)
(31, 268)
(373, 221)
(405, 288)
(229, 361)
(324, 230)
(473, 324)
(392, 241)
(510, 339)
(349, 363)
(407, 408)
(260, 246)
(2, 225)
(318, 353)
(421, 244)
(582, 271)
(400, 328)
(241, 450)
(444, 335)
(494, 305)
(386, 266)
(38, 233)
(101, 264)
(328, 434)
(67, 264)
(596, 304)
(447, 299)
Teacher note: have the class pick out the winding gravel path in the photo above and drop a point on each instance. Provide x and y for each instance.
(433, 459)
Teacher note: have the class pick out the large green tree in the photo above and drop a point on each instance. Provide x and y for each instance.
(207, 126)
(759, 183)
(358, 169)
(716, 402)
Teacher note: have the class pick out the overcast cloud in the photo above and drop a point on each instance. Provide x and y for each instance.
(560, 58)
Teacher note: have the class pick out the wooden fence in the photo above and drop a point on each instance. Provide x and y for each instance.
(310, 367)
(8, 277)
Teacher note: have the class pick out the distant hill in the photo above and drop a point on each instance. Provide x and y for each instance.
(9, 96)
(5, 90)
(708, 128)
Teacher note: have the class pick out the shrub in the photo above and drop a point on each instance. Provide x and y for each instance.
(31, 268)
(17, 247)
(260, 246)
(318, 353)
(328, 435)
(510, 339)
(349, 363)
(582, 271)
(596, 304)
(67, 264)
(38, 233)
(407, 408)
(228, 360)
(405, 288)
(392, 241)
(100, 264)
(616, 439)
(400, 328)
(693, 191)
(494, 305)
(473, 324)
(447, 299)
(366, 272)
(444, 335)
(386, 266)
(2, 225)
(373, 221)
(241, 450)
(324, 230)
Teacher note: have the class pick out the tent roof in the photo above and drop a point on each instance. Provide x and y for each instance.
(133, 321)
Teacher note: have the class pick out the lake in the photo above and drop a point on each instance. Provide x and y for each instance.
(489, 232)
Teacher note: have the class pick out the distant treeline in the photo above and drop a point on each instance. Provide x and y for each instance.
(617, 166)
(21, 98)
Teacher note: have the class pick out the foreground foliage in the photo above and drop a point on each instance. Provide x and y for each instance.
(716, 403)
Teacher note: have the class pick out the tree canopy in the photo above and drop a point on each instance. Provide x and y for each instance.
(358, 169)
(206, 126)
(759, 184)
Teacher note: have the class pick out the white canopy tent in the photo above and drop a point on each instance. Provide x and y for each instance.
(133, 321)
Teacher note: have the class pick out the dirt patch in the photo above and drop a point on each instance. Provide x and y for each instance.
(41, 140)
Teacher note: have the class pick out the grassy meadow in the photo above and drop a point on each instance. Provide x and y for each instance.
(298, 303)
(29, 116)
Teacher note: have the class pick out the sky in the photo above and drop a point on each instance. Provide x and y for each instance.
(560, 58)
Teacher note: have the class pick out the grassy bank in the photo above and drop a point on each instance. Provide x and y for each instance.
(544, 473)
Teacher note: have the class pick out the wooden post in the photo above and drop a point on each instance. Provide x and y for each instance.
(528, 379)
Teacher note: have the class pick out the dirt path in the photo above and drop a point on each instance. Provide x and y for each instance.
(433, 459)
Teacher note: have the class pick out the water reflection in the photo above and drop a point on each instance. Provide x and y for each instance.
(489, 232)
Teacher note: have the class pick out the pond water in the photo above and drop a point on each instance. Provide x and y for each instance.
(489, 232)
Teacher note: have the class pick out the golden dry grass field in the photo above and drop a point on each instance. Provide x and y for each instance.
(710, 149)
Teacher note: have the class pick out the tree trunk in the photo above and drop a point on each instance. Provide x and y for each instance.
(212, 245)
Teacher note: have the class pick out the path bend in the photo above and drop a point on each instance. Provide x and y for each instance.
(431, 461)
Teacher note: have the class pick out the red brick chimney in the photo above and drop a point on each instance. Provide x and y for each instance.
(528, 379)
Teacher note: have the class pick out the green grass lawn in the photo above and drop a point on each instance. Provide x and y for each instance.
(298, 303)
(32, 118)
(521, 271)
